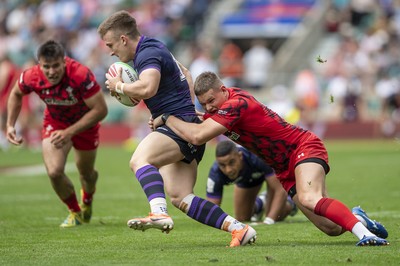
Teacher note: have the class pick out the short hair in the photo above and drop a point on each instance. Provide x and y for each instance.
(206, 81)
(120, 22)
(225, 147)
(51, 49)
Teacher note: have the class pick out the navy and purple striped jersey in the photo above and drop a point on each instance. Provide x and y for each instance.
(173, 95)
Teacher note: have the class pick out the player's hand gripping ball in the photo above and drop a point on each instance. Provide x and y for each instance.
(129, 75)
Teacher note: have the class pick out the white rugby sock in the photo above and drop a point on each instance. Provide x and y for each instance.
(359, 230)
(158, 205)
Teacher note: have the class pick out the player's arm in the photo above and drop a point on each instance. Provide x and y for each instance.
(14, 105)
(144, 88)
(196, 134)
(97, 112)
(276, 199)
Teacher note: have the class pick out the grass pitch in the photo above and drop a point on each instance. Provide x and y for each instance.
(362, 173)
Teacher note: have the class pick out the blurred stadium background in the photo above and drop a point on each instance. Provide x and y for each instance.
(330, 66)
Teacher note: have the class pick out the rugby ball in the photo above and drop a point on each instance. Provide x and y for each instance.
(129, 75)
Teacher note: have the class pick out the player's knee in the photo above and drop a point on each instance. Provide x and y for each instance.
(134, 164)
(137, 162)
(55, 173)
(90, 175)
(307, 200)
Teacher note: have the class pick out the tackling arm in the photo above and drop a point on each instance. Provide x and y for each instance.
(196, 134)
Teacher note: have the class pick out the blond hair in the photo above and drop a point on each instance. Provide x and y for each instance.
(121, 23)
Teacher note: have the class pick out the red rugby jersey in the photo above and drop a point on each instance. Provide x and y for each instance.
(64, 101)
(259, 129)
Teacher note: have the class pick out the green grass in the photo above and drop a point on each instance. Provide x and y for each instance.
(362, 173)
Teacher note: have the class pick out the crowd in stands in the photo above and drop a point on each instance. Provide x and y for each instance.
(361, 76)
(363, 73)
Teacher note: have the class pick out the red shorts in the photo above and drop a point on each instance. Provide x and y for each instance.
(311, 150)
(86, 140)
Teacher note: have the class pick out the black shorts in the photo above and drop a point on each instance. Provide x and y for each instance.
(190, 151)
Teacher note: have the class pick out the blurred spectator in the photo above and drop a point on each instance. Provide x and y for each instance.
(345, 91)
(307, 95)
(9, 73)
(281, 103)
(362, 12)
(231, 64)
(257, 61)
(390, 117)
(202, 61)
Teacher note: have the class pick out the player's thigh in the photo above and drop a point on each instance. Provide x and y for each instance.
(156, 149)
(244, 199)
(85, 160)
(54, 158)
(179, 179)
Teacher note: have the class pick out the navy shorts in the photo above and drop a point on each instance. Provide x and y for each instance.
(190, 151)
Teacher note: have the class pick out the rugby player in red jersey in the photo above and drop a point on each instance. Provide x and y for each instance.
(298, 156)
(74, 107)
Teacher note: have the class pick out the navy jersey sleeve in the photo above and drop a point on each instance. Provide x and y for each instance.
(173, 94)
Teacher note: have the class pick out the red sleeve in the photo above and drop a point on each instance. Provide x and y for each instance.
(26, 80)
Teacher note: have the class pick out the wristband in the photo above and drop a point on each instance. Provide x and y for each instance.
(269, 221)
(164, 118)
(119, 90)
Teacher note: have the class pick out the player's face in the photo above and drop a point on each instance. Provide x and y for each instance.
(53, 69)
(213, 99)
(230, 164)
(118, 46)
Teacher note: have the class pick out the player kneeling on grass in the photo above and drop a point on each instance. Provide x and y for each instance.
(236, 165)
(298, 156)
(74, 107)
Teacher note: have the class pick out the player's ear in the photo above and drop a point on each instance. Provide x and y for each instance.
(124, 39)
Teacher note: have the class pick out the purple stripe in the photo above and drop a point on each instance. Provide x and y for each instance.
(156, 195)
(200, 209)
(209, 213)
(154, 183)
(146, 175)
(140, 171)
(220, 220)
(193, 206)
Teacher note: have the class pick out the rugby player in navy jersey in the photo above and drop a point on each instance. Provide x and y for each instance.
(298, 156)
(163, 161)
(74, 107)
(236, 165)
